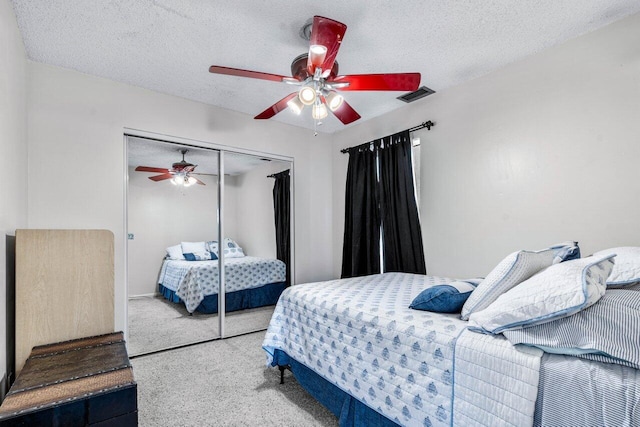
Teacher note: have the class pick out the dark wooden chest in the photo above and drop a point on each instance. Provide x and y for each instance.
(83, 382)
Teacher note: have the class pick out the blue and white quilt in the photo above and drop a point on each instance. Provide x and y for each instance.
(193, 280)
(360, 335)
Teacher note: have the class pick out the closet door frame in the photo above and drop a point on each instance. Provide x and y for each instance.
(221, 148)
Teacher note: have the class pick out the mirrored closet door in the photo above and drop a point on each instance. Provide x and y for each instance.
(172, 216)
(210, 242)
(257, 239)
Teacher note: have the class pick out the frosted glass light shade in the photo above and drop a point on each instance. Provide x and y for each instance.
(295, 105)
(307, 95)
(334, 100)
(317, 54)
(319, 111)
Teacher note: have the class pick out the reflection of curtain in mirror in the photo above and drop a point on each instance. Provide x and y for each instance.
(282, 215)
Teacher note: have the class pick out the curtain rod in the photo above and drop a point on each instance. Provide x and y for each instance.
(273, 175)
(428, 124)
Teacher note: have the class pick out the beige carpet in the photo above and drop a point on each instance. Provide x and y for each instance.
(222, 383)
(157, 324)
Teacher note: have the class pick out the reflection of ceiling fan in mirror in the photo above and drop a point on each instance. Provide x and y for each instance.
(180, 173)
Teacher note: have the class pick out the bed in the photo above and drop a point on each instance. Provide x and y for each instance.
(357, 348)
(249, 282)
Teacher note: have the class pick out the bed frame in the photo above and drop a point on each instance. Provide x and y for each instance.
(238, 300)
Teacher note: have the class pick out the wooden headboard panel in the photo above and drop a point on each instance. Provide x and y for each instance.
(64, 287)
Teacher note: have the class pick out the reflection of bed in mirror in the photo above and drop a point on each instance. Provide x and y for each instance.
(250, 282)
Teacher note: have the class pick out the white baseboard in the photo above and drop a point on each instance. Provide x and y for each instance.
(143, 295)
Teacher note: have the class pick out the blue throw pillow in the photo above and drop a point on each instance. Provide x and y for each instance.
(567, 251)
(447, 298)
(193, 257)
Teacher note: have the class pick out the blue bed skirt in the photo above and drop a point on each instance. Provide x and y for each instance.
(237, 300)
(350, 411)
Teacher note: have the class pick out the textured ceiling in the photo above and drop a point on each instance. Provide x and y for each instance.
(168, 45)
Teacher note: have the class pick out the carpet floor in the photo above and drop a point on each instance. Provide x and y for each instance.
(222, 383)
(157, 324)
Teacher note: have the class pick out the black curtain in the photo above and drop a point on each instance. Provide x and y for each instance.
(282, 215)
(402, 235)
(361, 247)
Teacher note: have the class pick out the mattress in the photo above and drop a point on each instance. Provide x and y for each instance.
(193, 280)
(360, 335)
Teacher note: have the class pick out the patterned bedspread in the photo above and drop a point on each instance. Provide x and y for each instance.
(193, 280)
(360, 335)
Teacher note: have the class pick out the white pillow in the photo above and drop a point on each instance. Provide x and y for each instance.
(559, 291)
(198, 249)
(212, 246)
(626, 271)
(515, 268)
(232, 249)
(175, 252)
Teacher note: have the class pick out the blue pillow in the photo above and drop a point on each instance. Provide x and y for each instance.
(567, 251)
(193, 257)
(447, 298)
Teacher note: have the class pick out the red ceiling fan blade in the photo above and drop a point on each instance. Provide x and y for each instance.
(161, 177)
(246, 73)
(189, 168)
(150, 169)
(346, 114)
(197, 180)
(276, 108)
(393, 81)
(328, 33)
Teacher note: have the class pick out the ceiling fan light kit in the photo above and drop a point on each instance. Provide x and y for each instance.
(185, 181)
(319, 111)
(307, 95)
(317, 74)
(180, 173)
(334, 100)
(295, 104)
(317, 54)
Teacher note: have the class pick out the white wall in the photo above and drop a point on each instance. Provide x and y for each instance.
(77, 166)
(543, 150)
(13, 146)
(230, 206)
(256, 231)
(162, 215)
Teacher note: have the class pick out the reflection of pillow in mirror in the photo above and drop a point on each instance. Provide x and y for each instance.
(232, 249)
(212, 246)
(175, 252)
(197, 248)
(196, 257)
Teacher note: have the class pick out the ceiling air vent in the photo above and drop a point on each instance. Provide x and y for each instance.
(414, 96)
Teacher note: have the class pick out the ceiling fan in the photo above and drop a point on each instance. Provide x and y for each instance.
(180, 173)
(317, 74)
